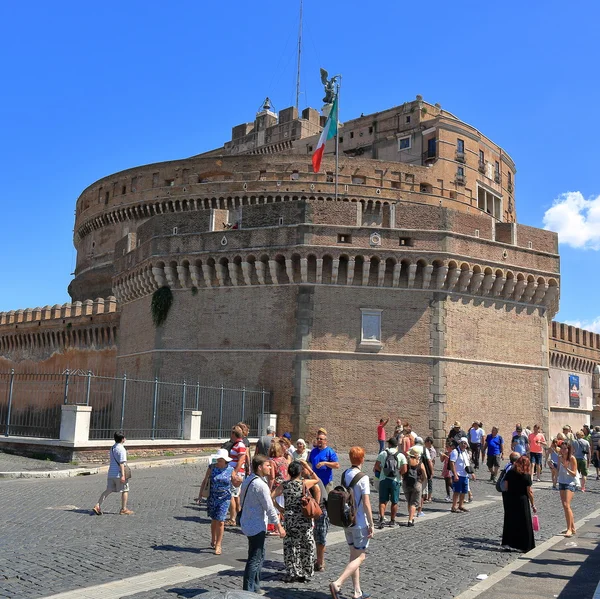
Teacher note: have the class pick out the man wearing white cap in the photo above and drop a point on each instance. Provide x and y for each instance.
(460, 466)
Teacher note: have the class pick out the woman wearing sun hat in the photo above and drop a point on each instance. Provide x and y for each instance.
(222, 476)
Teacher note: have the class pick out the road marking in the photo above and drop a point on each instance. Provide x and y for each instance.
(501, 574)
(144, 582)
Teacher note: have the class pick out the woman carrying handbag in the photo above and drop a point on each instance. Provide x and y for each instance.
(299, 542)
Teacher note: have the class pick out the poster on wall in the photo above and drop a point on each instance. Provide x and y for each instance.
(573, 391)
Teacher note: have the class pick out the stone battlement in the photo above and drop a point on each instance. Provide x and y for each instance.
(60, 312)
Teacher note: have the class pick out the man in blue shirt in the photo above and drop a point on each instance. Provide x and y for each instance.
(324, 460)
(494, 446)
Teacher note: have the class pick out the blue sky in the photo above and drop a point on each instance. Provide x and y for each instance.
(94, 88)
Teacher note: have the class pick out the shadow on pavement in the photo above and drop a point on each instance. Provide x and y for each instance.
(481, 543)
(182, 549)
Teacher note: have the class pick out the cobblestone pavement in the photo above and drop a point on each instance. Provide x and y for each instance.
(17, 463)
(50, 543)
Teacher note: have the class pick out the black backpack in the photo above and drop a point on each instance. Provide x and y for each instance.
(390, 467)
(411, 478)
(427, 463)
(341, 508)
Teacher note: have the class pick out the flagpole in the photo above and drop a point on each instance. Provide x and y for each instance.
(337, 134)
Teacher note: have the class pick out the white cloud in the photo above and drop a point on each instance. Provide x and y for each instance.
(588, 325)
(576, 220)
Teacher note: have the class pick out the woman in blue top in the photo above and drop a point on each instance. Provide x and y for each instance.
(222, 476)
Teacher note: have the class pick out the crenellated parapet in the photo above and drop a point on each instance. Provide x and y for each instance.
(37, 333)
(348, 268)
(60, 312)
(574, 348)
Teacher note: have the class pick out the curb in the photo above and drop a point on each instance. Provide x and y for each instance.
(103, 469)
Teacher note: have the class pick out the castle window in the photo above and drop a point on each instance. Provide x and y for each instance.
(329, 177)
(310, 148)
(281, 220)
(371, 130)
(406, 242)
(344, 238)
(395, 184)
(370, 331)
(530, 245)
(154, 179)
(169, 182)
(262, 176)
(342, 139)
(106, 197)
(425, 188)
(460, 146)
(407, 120)
(123, 190)
(404, 143)
(174, 230)
(134, 183)
(358, 180)
(351, 134)
(481, 157)
(489, 202)
(294, 176)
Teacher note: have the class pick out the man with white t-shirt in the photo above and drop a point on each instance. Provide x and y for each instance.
(459, 463)
(116, 481)
(475, 440)
(357, 536)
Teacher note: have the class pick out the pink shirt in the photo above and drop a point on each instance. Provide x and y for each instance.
(381, 432)
(534, 442)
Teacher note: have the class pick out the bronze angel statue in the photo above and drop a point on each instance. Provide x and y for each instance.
(329, 86)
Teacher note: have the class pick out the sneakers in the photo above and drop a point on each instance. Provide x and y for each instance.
(392, 523)
(382, 523)
(126, 512)
(420, 514)
(448, 499)
(410, 523)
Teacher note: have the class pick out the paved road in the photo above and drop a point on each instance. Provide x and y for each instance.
(49, 542)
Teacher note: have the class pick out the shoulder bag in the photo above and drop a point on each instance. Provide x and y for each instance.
(206, 491)
(310, 507)
(126, 468)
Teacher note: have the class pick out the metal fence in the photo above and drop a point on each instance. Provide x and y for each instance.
(30, 405)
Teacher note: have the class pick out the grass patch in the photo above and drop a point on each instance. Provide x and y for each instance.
(169, 454)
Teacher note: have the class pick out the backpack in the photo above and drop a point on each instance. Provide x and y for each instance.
(341, 508)
(411, 478)
(390, 467)
(425, 461)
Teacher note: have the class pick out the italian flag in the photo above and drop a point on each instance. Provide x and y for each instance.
(329, 132)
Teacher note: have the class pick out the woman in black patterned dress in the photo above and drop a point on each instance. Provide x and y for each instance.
(298, 543)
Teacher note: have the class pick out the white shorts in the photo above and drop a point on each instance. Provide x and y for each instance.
(357, 537)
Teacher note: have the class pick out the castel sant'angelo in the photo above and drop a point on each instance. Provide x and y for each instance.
(415, 292)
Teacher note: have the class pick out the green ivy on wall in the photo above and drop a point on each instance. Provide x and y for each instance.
(161, 304)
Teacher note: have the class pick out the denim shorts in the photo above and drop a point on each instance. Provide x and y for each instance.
(357, 537)
(461, 485)
(567, 487)
(536, 458)
(321, 529)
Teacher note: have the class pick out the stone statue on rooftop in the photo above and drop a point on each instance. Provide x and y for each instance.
(329, 87)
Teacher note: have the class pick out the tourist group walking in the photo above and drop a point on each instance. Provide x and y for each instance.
(289, 490)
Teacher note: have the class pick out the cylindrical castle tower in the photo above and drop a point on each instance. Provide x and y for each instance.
(414, 293)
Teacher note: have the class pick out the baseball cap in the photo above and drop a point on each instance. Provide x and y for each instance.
(287, 436)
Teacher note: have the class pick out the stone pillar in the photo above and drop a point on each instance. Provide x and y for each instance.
(440, 278)
(519, 288)
(350, 278)
(396, 274)
(171, 275)
(260, 271)
(304, 270)
(488, 281)
(476, 281)
(207, 271)
(319, 270)
(221, 274)
(335, 268)
(529, 291)
(289, 269)
(453, 277)
(267, 420)
(273, 271)
(365, 272)
(381, 274)
(246, 272)
(233, 273)
(498, 286)
(412, 272)
(195, 275)
(75, 424)
(465, 279)
(509, 287)
(192, 425)
(159, 276)
(437, 387)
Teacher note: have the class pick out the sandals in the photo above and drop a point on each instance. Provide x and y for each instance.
(229, 522)
(334, 592)
(463, 509)
(218, 550)
(96, 509)
(455, 510)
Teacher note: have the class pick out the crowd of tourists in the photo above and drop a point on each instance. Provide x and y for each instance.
(288, 490)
